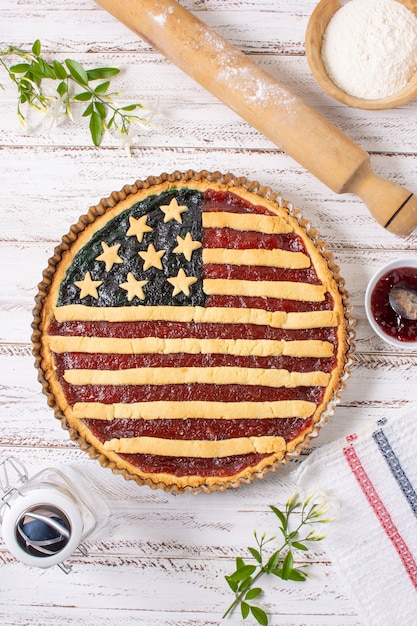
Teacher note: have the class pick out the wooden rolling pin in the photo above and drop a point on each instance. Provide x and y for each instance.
(269, 106)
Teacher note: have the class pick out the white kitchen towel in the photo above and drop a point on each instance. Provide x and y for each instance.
(372, 477)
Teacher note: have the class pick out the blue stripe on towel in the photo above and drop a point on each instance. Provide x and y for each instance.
(396, 469)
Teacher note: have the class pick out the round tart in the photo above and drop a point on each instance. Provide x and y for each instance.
(192, 332)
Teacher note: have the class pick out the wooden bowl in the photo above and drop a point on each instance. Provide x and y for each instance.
(316, 27)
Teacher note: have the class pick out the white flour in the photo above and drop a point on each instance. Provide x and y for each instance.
(370, 48)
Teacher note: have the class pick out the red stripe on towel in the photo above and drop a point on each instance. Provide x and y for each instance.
(381, 512)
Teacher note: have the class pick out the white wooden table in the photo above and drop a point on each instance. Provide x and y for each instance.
(160, 558)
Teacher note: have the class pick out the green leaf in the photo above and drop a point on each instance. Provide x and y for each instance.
(77, 71)
(20, 68)
(244, 608)
(287, 565)
(239, 562)
(299, 546)
(101, 110)
(130, 107)
(36, 47)
(84, 96)
(256, 554)
(102, 72)
(102, 87)
(232, 583)
(96, 128)
(245, 584)
(88, 110)
(39, 68)
(296, 575)
(243, 572)
(62, 88)
(253, 593)
(273, 561)
(49, 71)
(260, 615)
(280, 515)
(26, 83)
(60, 70)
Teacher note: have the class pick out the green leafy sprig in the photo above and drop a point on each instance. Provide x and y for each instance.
(74, 83)
(244, 581)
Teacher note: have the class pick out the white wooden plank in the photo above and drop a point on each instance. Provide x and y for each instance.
(177, 577)
(73, 179)
(189, 115)
(288, 7)
(94, 31)
(23, 616)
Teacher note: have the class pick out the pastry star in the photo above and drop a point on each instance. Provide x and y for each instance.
(152, 257)
(134, 287)
(109, 255)
(173, 211)
(187, 246)
(182, 283)
(88, 286)
(138, 227)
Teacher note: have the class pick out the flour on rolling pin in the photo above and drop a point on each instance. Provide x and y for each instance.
(161, 18)
(253, 88)
(370, 48)
(260, 91)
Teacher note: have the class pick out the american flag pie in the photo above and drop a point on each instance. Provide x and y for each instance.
(190, 333)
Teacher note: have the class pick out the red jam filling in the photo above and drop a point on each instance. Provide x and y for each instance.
(197, 429)
(193, 466)
(391, 323)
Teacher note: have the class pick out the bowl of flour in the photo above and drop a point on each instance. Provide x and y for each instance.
(364, 52)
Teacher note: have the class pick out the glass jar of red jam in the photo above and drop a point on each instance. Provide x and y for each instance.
(380, 312)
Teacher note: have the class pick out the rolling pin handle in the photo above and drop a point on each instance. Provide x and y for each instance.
(394, 207)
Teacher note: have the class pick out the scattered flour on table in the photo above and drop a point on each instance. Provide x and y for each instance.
(370, 48)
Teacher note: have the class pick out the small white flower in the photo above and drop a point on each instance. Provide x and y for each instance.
(126, 141)
(57, 111)
(39, 120)
(324, 503)
(151, 112)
